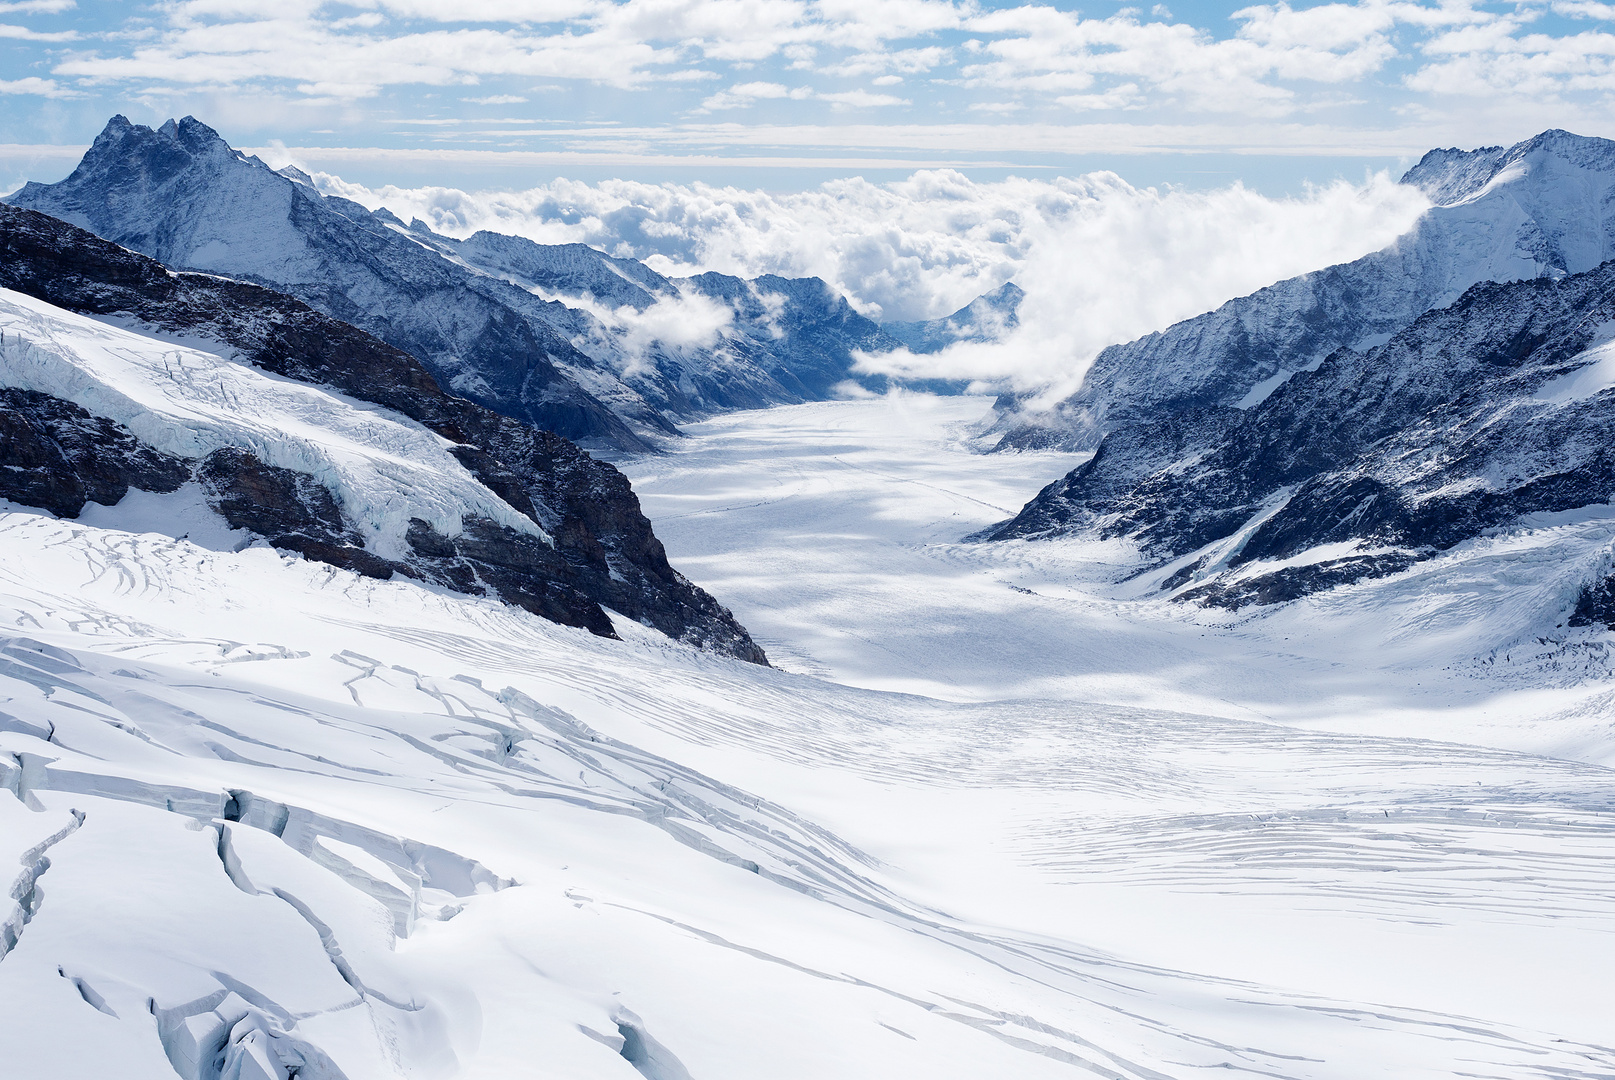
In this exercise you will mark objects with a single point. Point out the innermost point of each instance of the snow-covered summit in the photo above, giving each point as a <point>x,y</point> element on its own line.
<point>1542,208</point>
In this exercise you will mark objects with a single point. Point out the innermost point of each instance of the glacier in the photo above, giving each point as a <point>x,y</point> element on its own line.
<point>269,817</point>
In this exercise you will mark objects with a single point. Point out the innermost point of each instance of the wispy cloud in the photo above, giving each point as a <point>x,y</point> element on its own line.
<point>36,87</point>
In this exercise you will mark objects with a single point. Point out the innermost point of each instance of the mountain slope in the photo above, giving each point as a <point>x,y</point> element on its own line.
<point>1480,417</point>
<point>1542,208</point>
<point>480,314</point>
<point>429,486</point>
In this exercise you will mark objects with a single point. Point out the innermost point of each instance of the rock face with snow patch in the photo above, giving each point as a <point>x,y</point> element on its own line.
<point>56,455</point>
<point>1470,420</point>
<point>1542,208</point>
<point>482,314</point>
<point>552,530</point>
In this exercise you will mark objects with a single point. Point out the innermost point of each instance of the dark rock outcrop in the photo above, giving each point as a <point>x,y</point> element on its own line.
<point>605,553</point>
<point>57,456</point>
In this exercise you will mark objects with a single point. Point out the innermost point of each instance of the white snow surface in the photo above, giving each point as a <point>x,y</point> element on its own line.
<point>1596,374</point>
<point>999,816</point>
<point>184,400</point>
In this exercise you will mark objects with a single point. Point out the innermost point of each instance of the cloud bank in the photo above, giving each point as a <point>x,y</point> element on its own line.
<point>1100,260</point>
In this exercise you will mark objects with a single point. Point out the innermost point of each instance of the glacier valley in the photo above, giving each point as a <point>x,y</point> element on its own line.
<point>997,811</point>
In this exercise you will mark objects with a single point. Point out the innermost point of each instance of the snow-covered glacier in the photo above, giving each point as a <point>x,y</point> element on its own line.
<point>272,818</point>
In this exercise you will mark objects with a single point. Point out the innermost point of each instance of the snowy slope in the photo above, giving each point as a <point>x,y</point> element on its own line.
<point>1542,208</point>
<point>267,814</point>
<point>118,376</point>
<point>382,468</point>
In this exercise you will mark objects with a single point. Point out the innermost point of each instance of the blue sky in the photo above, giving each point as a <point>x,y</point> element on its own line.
<point>782,94</point>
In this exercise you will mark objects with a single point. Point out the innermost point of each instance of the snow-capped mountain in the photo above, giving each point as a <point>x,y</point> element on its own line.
<point>235,402</point>
<point>1494,414</point>
<point>1542,208</point>
<point>626,355</point>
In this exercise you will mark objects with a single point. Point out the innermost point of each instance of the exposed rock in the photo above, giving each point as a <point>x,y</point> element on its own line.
<point>56,455</point>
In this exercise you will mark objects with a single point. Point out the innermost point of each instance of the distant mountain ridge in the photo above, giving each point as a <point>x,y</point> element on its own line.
<point>986,318</point>
<point>1542,208</point>
<point>468,310</point>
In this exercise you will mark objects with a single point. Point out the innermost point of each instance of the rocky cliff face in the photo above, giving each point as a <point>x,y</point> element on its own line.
<point>600,553</point>
<point>482,315</point>
<point>1542,208</point>
<point>1472,419</point>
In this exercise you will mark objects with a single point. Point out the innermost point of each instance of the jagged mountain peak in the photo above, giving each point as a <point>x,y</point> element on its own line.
<point>1450,176</point>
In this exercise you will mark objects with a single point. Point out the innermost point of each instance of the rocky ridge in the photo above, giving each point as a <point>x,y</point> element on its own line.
<point>601,552</point>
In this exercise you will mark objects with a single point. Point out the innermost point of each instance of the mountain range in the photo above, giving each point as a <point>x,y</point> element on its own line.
<point>554,335</point>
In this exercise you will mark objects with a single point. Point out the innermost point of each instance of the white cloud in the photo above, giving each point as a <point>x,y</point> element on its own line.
<point>903,61</point>
<point>1100,260</point>
<point>1265,61</point>
<point>860,99</point>
<point>36,87</point>
<point>1585,9</point>
<point>1116,262</point>
<point>23,33</point>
